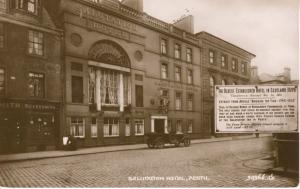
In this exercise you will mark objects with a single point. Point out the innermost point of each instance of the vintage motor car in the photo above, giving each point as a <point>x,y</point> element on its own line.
<point>158,140</point>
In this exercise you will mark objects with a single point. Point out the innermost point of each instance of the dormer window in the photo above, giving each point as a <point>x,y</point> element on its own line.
<point>30,6</point>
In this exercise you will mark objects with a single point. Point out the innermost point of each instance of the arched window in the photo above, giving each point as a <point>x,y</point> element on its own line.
<point>224,82</point>
<point>212,86</point>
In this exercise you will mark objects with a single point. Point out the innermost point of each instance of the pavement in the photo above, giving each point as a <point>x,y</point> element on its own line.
<point>104,149</point>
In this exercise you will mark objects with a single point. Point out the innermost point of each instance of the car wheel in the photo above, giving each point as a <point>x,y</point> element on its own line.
<point>159,145</point>
<point>187,142</point>
<point>150,145</point>
<point>177,143</point>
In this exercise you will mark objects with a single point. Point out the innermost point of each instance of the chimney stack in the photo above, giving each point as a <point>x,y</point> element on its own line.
<point>186,23</point>
<point>287,74</point>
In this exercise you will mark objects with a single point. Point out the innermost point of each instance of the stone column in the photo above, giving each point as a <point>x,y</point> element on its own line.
<point>152,125</point>
<point>166,125</point>
<point>98,92</point>
<point>121,93</point>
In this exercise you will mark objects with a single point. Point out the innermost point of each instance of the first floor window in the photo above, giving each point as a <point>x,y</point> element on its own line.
<point>139,126</point>
<point>234,65</point>
<point>163,46</point>
<point>36,85</point>
<point>212,86</point>
<point>223,61</point>
<point>35,43</point>
<point>164,97</point>
<point>2,82</point>
<point>127,127</point>
<point>177,51</point>
<point>169,126</point>
<point>190,126</point>
<point>189,55</point>
<point>190,76</point>
<point>244,68</point>
<point>178,100</point>
<point>1,34</point>
<point>178,126</point>
<point>164,71</point>
<point>30,6</point>
<point>139,96</point>
<point>211,57</point>
<point>177,73</point>
<point>77,127</point>
<point>111,127</point>
<point>94,128</point>
<point>77,89</point>
<point>190,101</point>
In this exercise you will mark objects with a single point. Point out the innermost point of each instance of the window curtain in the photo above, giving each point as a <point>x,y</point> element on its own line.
<point>92,84</point>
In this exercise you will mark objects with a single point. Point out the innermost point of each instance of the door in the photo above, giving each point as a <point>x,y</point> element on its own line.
<point>159,126</point>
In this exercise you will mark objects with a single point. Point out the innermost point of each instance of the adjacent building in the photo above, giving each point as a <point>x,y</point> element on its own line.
<point>222,63</point>
<point>30,77</point>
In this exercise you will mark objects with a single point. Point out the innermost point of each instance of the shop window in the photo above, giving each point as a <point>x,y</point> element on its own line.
<point>212,57</point>
<point>190,126</point>
<point>190,76</point>
<point>36,85</point>
<point>164,71</point>
<point>2,37</point>
<point>2,4</point>
<point>77,89</point>
<point>30,6</point>
<point>127,127</point>
<point>111,127</point>
<point>2,82</point>
<point>189,55</point>
<point>190,101</point>
<point>178,126</point>
<point>163,46</point>
<point>77,127</point>
<point>224,61</point>
<point>35,43</point>
<point>212,86</point>
<point>94,128</point>
<point>139,96</point>
<point>177,51</point>
<point>177,74</point>
<point>178,100</point>
<point>139,126</point>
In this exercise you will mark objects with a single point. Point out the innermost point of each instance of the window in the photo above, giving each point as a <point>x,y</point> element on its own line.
<point>177,74</point>
<point>190,126</point>
<point>224,82</point>
<point>163,46</point>
<point>244,68</point>
<point>2,4</point>
<point>77,127</point>
<point>77,89</point>
<point>139,126</point>
<point>164,94</point>
<point>190,101</point>
<point>177,51</point>
<point>36,85</point>
<point>30,6</point>
<point>164,71</point>
<point>189,55</point>
<point>1,35</point>
<point>178,126</point>
<point>211,57</point>
<point>94,128</point>
<point>169,125</point>
<point>212,86</point>
<point>224,61</point>
<point>127,127</point>
<point>35,43</point>
<point>234,83</point>
<point>139,96</point>
<point>111,127</point>
<point>234,65</point>
<point>190,76</point>
<point>2,82</point>
<point>178,101</point>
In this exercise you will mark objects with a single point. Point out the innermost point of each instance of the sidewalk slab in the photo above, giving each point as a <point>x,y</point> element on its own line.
<point>103,149</point>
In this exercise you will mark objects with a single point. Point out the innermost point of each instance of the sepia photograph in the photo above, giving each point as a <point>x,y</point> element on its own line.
<point>149,93</point>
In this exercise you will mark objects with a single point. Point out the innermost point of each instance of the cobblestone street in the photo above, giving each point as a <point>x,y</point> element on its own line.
<point>227,163</point>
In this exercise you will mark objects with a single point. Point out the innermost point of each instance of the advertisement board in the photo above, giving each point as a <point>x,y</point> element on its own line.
<point>256,108</point>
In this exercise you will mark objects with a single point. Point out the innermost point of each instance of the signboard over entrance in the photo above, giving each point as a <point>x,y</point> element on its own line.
<point>258,108</point>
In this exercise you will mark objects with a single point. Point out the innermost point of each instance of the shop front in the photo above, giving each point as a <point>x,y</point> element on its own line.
<point>27,126</point>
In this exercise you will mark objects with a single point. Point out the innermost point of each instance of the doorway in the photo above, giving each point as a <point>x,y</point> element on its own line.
<point>159,126</point>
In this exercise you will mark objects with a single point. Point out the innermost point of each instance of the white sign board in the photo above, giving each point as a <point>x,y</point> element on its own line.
<point>260,108</point>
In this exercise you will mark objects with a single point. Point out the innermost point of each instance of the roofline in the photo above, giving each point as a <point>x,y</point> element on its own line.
<point>204,32</point>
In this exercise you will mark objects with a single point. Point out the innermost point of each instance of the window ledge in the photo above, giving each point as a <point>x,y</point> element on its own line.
<point>139,134</point>
<point>115,136</point>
